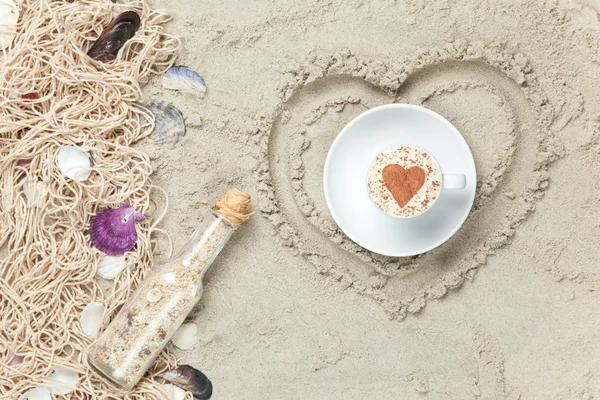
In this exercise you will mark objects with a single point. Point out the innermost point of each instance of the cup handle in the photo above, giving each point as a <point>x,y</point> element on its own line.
<point>454,181</point>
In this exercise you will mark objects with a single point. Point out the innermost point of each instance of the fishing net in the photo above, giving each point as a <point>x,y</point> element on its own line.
<point>51,96</point>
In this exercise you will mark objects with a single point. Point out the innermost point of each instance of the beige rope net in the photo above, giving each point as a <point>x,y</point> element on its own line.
<point>47,264</point>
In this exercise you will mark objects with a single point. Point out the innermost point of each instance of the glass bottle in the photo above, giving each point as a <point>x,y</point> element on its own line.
<point>158,307</point>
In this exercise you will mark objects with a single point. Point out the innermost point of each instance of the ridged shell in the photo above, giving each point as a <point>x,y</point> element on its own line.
<point>190,379</point>
<point>9,17</point>
<point>91,318</point>
<point>173,392</point>
<point>36,393</point>
<point>114,36</point>
<point>113,232</point>
<point>64,381</point>
<point>109,267</point>
<point>169,126</point>
<point>186,336</point>
<point>185,79</point>
<point>75,162</point>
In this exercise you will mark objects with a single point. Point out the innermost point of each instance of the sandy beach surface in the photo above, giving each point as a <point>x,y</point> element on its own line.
<point>292,309</point>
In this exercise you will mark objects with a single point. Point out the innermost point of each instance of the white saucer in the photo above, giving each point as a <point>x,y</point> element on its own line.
<point>350,157</point>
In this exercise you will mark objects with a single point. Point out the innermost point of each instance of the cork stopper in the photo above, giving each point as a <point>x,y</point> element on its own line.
<point>233,206</point>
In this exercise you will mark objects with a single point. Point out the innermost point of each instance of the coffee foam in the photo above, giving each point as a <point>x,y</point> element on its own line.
<point>407,157</point>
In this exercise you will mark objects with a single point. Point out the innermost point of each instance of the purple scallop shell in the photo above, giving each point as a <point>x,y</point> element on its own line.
<point>113,230</point>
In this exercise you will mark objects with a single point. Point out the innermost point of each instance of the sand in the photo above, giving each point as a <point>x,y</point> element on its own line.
<point>292,308</point>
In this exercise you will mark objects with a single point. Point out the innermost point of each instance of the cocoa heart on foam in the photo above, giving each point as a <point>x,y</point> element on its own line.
<point>403,183</point>
<point>474,87</point>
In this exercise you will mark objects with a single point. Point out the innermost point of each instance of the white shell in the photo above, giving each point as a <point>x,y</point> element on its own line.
<point>186,336</point>
<point>9,16</point>
<point>64,381</point>
<point>91,318</point>
<point>36,393</point>
<point>174,392</point>
<point>74,162</point>
<point>154,295</point>
<point>36,192</point>
<point>109,267</point>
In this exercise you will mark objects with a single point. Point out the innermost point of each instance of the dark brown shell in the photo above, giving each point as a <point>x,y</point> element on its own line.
<point>114,36</point>
<point>190,379</point>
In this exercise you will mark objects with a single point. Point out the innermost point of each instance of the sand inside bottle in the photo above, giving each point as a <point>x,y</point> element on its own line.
<point>159,306</point>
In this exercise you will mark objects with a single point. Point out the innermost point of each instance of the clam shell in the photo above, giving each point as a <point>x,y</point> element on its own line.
<point>109,267</point>
<point>36,192</point>
<point>91,318</point>
<point>9,17</point>
<point>154,295</point>
<point>36,393</point>
<point>75,162</point>
<point>190,379</point>
<point>64,381</point>
<point>169,126</point>
<point>114,36</point>
<point>173,392</point>
<point>186,336</point>
<point>113,232</point>
<point>185,79</point>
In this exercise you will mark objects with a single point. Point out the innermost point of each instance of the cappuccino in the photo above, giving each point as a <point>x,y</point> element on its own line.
<point>404,181</point>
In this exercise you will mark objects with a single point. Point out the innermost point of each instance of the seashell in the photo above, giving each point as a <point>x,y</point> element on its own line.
<point>36,393</point>
<point>169,126</point>
<point>91,318</point>
<point>36,192</point>
<point>154,295</point>
<point>190,379</point>
<point>185,79</point>
<point>64,381</point>
<point>114,36</point>
<point>173,392</point>
<point>75,162</point>
<point>186,336</point>
<point>9,16</point>
<point>109,267</point>
<point>113,232</point>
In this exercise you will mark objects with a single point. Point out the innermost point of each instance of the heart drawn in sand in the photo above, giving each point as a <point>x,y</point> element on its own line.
<point>403,183</point>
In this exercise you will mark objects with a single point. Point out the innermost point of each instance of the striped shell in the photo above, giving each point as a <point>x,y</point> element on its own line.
<point>109,267</point>
<point>186,336</point>
<point>184,79</point>
<point>113,232</point>
<point>9,16</point>
<point>169,126</point>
